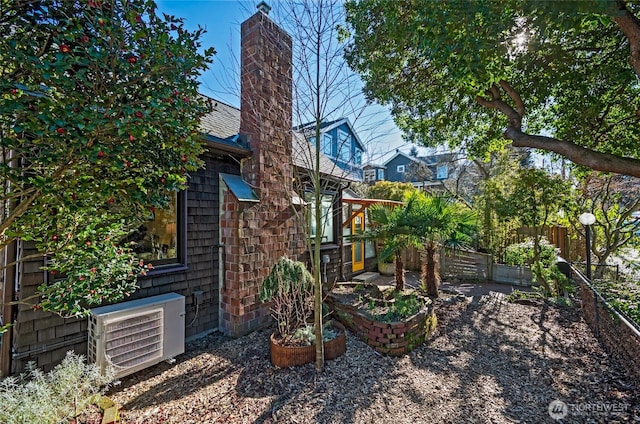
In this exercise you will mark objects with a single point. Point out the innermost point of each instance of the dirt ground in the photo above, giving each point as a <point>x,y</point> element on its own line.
<point>488,362</point>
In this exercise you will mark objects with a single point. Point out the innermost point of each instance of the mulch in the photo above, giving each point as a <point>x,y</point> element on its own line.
<point>488,362</point>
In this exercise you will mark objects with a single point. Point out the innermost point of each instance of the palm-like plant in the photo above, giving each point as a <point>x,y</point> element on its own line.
<point>391,228</point>
<point>439,221</point>
<point>423,221</point>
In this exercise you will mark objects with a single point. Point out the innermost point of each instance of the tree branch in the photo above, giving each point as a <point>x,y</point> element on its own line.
<point>577,154</point>
<point>630,26</point>
<point>514,96</point>
<point>496,102</point>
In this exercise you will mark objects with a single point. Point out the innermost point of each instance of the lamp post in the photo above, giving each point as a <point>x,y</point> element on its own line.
<point>588,219</point>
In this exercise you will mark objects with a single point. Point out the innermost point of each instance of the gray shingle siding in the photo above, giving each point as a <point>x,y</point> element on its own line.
<point>45,338</point>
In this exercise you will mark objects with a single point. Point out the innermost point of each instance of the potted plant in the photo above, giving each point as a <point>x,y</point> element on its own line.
<point>289,288</point>
<point>386,264</point>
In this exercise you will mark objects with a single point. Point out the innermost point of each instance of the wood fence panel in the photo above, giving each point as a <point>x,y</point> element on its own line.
<point>465,265</point>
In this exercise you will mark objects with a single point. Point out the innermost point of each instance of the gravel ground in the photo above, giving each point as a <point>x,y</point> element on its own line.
<point>488,362</point>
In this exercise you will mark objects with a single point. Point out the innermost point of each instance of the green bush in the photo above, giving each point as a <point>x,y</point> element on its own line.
<point>522,253</point>
<point>402,307</point>
<point>53,397</point>
<point>622,295</point>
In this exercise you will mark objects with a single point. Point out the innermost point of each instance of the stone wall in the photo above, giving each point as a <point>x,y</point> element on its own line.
<point>617,338</point>
<point>44,338</point>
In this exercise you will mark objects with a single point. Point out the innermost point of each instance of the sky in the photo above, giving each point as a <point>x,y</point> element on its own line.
<point>222,19</point>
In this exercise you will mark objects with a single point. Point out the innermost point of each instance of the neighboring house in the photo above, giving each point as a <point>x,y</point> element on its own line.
<point>424,172</point>
<point>218,239</point>
<point>338,141</point>
<point>372,173</point>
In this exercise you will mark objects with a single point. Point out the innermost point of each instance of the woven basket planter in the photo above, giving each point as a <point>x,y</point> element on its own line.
<point>291,356</point>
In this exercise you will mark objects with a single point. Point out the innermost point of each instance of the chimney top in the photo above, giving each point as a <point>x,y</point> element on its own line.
<point>263,7</point>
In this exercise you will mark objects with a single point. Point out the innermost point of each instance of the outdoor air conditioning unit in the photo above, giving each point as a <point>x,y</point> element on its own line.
<point>134,335</point>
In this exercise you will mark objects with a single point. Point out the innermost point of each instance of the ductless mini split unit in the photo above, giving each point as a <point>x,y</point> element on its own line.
<point>131,336</point>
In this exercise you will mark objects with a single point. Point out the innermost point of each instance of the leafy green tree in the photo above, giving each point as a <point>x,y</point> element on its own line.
<point>496,180</point>
<point>556,76</point>
<point>99,117</point>
<point>535,200</point>
<point>390,190</point>
<point>423,221</point>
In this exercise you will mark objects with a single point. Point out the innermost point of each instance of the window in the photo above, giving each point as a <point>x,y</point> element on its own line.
<point>326,212</point>
<point>327,145</point>
<point>346,214</point>
<point>344,146</point>
<point>400,169</point>
<point>159,240</point>
<point>358,157</point>
<point>442,172</point>
<point>380,174</point>
<point>369,175</point>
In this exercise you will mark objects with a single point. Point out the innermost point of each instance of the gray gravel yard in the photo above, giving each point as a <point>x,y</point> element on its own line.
<point>488,362</point>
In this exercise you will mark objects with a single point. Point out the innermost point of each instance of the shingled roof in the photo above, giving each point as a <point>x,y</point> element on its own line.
<point>221,126</point>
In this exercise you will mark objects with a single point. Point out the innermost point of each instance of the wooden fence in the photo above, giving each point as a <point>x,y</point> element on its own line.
<point>475,266</point>
<point>465,265</point>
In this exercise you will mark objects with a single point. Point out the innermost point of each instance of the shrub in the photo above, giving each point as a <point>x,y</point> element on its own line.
<point>402,307</point>
<point>53,397</point>
<point>522,253</point>
<point>622,295</point>
<point>289,288</point>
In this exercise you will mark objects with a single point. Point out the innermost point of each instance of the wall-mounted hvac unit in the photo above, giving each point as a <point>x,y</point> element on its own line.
<point>134,335</point>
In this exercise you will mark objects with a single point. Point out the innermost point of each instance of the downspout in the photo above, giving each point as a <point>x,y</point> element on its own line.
<point>8,293</point>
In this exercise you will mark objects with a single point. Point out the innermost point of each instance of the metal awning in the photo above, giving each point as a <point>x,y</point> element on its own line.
<point>240,188</point>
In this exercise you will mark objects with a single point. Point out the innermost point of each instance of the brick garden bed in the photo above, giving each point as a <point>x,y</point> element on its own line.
<point>389,338</point>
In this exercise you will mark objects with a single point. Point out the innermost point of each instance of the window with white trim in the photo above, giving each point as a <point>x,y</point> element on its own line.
<point>327,144</point>
<point>400,169</point>
<point>344,146</point>
<point>326,211</point>
<point>380,174</point>
<point>442,172</point>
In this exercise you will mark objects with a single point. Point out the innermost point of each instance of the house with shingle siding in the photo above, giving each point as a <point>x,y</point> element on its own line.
<point>220,237</point>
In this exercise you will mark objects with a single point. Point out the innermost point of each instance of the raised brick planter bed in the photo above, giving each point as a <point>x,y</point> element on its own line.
<point>394,338</point>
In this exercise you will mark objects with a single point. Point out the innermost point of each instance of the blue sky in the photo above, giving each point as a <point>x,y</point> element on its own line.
<point>222,19</point>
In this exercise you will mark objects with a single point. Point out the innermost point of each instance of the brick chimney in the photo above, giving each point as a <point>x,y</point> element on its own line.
<point>255,236</point>
<point>266,100</point>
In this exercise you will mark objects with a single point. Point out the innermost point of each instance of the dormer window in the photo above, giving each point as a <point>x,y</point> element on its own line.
<point>344,146</point>
<point>442,172</point>
<point>327,145</point>
<point>358,157</point>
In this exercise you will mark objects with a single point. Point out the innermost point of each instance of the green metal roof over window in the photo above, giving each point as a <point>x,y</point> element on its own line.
<point>239,188</point>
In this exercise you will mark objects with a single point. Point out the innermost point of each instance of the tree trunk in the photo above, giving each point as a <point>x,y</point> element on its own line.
<point>430,274</point>
<point>399,272</point>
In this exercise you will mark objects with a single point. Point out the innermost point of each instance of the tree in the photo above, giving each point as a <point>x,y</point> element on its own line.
<point>392,227</point>
<point>497,177</point>
<point>99,118</point>
<point>535,200</point>
<point>390,190</point>
<point>556,76</point>
<point>323,90</point>
<point>612,199</point>
<point>439,221</point>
